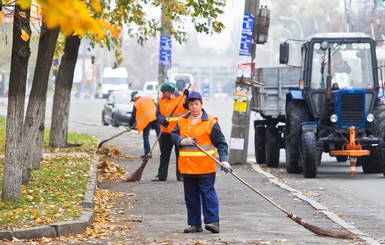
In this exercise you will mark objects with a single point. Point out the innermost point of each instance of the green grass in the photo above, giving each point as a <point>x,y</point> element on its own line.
<point>55,191</point>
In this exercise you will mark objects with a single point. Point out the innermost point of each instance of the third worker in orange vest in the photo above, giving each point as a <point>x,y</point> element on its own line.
<point>170,109</point>
<point>144,115</point>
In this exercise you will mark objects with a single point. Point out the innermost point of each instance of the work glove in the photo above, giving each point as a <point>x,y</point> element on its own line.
<point>188,141</point>
<point>164,123</point>
<point>185,104</point>
<point>186,92</point>
<point>226,167</point>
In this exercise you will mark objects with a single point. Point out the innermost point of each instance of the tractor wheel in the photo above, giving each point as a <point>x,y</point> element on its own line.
<point>259,143</point>
<point>308,154</point>
<point>296,113</point>
<point>374,163</point>
<point>272,147</point>
<point>341,158</point>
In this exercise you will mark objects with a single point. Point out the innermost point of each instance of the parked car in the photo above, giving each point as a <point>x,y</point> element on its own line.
<point>118,108</point>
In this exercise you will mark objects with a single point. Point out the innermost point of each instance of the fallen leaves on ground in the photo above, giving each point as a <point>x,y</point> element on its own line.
<point>109,170</point>
<point>111,152</point>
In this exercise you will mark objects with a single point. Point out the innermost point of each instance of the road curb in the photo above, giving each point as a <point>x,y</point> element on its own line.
<point>63,228</point>
<point>316,205</point>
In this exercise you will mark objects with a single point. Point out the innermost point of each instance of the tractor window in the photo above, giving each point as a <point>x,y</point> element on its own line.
<point>351,66</point>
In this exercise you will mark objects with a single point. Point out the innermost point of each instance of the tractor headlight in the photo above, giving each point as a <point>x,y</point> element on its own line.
<point>333,118</point>
<point>370,117</point>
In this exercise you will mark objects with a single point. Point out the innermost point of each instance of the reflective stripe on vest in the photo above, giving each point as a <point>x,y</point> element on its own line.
<point>195,153</point>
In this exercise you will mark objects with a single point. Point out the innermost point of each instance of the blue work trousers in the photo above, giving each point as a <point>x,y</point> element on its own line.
<point>146,132</point>
<point>200,195</point>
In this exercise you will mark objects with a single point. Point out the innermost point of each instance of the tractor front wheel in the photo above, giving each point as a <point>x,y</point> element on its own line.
<point>309,154</point>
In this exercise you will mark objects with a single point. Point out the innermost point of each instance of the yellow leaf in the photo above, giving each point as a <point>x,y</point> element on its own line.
<point>24,35</point>
<point>95,4</point>
<point>2,16</point>
<point>114,31</point>
<point>24,4</point>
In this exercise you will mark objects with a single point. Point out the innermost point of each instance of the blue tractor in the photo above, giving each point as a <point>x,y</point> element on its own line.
<point>337,107</point>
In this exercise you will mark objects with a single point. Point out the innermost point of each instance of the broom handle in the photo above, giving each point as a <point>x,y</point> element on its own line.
<point>244,182</point>
<point>172,113</point>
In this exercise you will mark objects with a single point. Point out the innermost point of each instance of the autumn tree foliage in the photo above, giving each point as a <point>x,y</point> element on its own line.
<point>77,19</point>
<point>24,134</point>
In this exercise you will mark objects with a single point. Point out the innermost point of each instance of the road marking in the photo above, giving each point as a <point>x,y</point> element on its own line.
<point>319,207</point>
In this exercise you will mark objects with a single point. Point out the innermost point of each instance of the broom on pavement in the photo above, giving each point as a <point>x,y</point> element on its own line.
<point>104,141</point>
<point>313,228</point>
<point>137,175</point>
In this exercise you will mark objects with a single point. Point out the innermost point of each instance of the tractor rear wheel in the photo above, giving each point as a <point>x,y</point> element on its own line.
<point>296,113</point>
<point>309,154</point>
<point>259,143</point>
<point>272,147</point>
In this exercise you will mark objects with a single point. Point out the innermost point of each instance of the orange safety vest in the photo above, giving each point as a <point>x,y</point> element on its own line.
<point>145,112</point>
<point>191,160</point>
<point>166,107</point>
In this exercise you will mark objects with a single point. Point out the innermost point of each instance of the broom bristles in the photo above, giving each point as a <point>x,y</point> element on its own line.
<point>137,175</point>
<point>321,231</point>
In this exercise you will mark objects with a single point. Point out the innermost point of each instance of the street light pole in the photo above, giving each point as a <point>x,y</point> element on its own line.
<point>241,116</point>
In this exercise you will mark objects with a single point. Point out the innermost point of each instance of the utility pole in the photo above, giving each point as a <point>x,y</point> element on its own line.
<point>241,113</point>
<point>165,47</point>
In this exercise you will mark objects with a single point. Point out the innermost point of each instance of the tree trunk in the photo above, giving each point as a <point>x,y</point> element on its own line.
<point>62,97</point>
<point>33,133</point>
<point>15,115</point>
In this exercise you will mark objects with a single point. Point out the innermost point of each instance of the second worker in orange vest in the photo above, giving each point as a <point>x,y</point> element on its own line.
<point>144,115</point>
<point>170,109</point>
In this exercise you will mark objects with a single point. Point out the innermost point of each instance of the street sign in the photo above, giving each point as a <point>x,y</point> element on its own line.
<point>165,55</point>
<point>247,35</point>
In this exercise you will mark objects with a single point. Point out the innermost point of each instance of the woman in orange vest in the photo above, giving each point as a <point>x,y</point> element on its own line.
<point>197,168</point>
<point>144,115</point>
<point>170,102</point>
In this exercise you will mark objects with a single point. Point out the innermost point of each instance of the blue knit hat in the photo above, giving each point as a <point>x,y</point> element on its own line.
<point>194,95</point>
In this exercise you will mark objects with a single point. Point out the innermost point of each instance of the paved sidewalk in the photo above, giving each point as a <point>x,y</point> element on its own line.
<point>157,212</point>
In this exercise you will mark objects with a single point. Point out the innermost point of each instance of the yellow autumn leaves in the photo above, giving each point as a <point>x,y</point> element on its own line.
<point>72,16</point>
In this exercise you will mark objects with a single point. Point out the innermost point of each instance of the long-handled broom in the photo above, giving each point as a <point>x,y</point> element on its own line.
<point>316,229</point>
<point>137,175</point>
<point>104,141</point>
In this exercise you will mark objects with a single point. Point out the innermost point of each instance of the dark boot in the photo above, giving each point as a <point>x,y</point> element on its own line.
<point>193,229</point>
<point>213,227</point>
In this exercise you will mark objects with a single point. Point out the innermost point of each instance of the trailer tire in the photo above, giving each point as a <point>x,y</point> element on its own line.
<point>375,162</point>
<point>296,113</point>
<point>272,147</point>
<point>259,143</point>
<point>309,156</point>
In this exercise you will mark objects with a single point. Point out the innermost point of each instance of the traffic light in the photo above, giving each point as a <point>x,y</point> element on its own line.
<point>383,3</point>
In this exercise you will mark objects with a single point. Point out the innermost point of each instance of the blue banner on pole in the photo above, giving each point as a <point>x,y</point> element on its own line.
<point>247,35</point>
<point>165,55</point>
